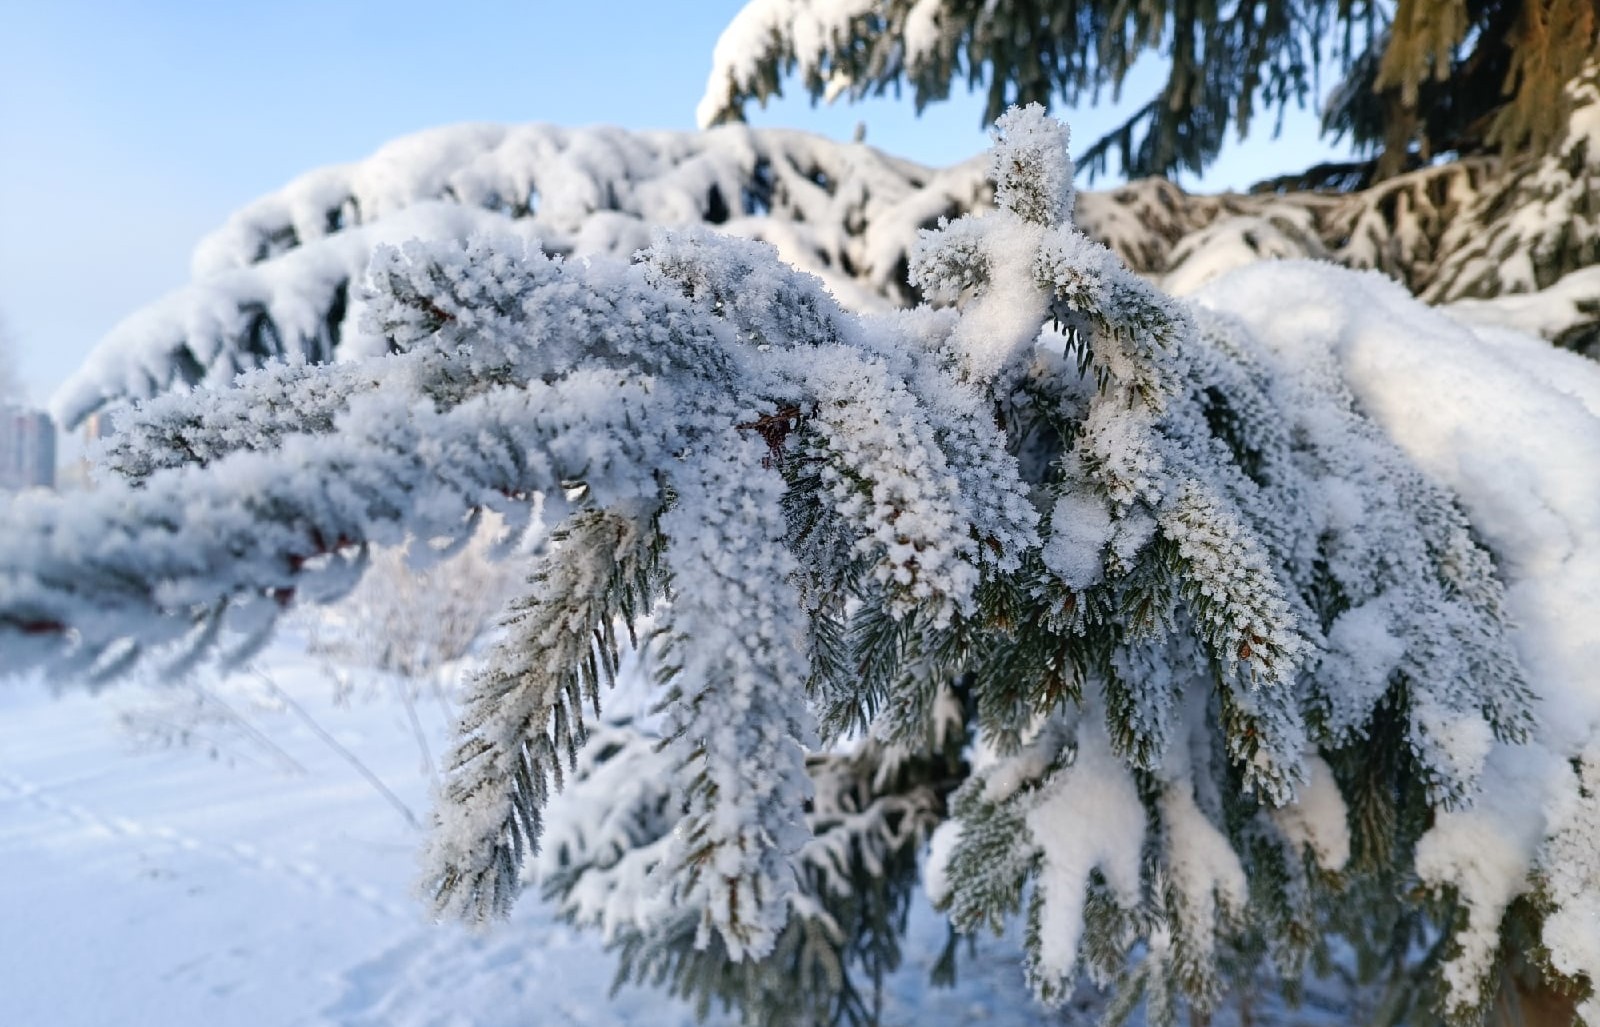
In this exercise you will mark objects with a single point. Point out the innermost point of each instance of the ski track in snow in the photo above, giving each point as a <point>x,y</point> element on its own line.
<point>244,856</point>
<point>164,889</point>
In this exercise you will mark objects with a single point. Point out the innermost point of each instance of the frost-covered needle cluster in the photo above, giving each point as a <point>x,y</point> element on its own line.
<point>1126,603</point>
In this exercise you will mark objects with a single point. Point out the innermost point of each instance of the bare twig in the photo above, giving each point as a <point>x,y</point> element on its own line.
<point>333,743</point>
<point>250,731</point>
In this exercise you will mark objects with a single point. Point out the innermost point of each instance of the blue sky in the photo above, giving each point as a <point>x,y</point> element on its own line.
<point>127,131</point>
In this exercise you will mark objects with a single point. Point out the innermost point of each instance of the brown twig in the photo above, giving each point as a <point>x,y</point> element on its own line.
<point>774,429</point>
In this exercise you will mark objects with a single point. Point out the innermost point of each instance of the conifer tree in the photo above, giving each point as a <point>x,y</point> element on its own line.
<point>1418,78</point>
<point>1092,606</point>
<point>281,280</point>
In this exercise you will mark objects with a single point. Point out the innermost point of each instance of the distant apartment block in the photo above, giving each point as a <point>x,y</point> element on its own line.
<point>98,426</point>
<point>27,449</point>
<point>79,472</point>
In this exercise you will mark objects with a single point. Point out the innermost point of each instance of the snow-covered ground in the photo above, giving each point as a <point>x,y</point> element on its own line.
<point>212,884</point>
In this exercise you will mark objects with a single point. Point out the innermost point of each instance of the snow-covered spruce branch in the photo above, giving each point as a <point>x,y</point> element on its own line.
<point>281,279</point>
<point>1154,564</point>
<point>870,812</point>
<point>458,320</point>
<point>1522,475</point>
<point>128,567</point>
<point>524,714</point>
<point>1531,226</point>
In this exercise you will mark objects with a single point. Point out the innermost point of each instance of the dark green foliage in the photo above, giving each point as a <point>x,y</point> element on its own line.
<point>872,812</point>
<point>1414,79</point>
<point>611,575</point>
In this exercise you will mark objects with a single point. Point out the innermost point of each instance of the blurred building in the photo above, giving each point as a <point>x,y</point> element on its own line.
<point>78,470</point>
<point>27,449</point>
<point>97,426</point>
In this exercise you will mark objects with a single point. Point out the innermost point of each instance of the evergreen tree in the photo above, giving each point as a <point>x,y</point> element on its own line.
<point>1135,611</point>
<point>281,279</point>
<point>1419,77</point>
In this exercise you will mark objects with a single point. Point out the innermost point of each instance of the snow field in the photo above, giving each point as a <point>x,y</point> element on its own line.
<point>173,889</point>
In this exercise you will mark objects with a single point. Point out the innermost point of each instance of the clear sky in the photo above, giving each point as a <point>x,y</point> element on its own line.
<point>129,130</point>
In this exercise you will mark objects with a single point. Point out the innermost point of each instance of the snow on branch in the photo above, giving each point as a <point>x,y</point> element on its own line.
<point>281,279</point>
<point>302,307</point>
<point>1537,222</point>
<point>1146,596</point>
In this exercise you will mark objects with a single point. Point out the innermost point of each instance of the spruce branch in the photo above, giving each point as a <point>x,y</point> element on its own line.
<point>522,721</point>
